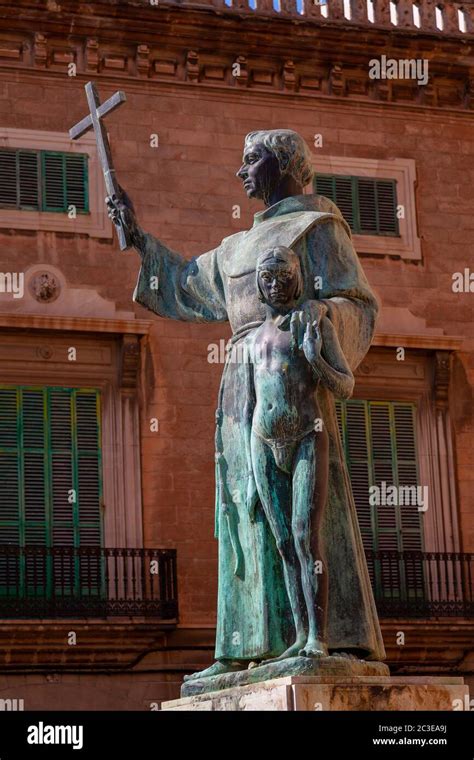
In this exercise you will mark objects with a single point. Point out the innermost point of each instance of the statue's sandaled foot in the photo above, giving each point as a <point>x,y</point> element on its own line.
<point>254,664</point>
<point>217,669</point>
<point>292,651</point>
<point>314,648</point>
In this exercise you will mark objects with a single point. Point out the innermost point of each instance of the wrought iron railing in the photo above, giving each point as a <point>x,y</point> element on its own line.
<point>422,584</point>
<point>96,582</point>
<point>36,581</point>
<point>424,16</point>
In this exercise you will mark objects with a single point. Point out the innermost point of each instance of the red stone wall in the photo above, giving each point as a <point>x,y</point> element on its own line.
<point>184,192</point>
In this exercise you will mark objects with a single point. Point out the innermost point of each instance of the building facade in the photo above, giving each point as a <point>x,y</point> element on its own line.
<point>107,558</point>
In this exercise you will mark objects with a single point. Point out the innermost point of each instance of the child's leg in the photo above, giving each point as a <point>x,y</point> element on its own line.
<point>274,490</point>
<point>310,483</point>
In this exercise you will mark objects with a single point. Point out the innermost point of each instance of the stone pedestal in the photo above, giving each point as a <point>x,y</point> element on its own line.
<point>324,693</point>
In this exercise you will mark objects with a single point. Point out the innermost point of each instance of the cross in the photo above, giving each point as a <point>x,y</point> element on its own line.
<point>94,121</point>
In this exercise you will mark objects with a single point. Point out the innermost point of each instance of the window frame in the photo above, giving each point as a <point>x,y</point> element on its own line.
<point>96,222</point>
<point>403,171</point>
<point>355,202</point>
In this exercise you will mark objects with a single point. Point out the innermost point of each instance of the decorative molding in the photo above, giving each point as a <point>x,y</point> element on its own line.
<point>40,50</point>
<point>129,361</point>
<point>426,342</point>
<point>442,376</point>
<point>75,324</point>
<point>192,66</point>
<point>301,69</point>
<point>69,301</point>
<point>403,171</point>
<point>143,60</point>
<point>96,223</point>
<point>92,55</point>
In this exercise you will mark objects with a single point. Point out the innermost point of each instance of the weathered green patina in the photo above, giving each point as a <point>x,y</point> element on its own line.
<point>255,620</point>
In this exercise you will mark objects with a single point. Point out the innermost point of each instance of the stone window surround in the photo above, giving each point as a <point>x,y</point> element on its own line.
<point>403,170</point>
<point>423,379</point>
<point>95,223</point>
<point>33,353</point>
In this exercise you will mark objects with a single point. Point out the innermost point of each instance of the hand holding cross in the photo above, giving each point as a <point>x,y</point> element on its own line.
<point>94,121</point>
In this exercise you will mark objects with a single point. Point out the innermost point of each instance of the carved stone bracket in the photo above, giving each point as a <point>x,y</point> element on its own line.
<point>336,78</point>
<point>192,66</point>
<point>442,375</point>
<point>129,361</point>
<point>301,69</point>
<point>143,60</point>
<point>241,74</point>
<point>289,78</point>
<point>40,50</point>
<point>92,54</point>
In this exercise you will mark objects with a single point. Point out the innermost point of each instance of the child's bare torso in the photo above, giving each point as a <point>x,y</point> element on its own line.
<point>285,385</point>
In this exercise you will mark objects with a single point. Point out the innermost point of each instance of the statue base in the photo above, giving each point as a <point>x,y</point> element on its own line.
<point>334,665</point>
<point>323,693</point>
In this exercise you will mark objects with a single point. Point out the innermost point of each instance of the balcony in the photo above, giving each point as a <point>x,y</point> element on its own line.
<point>420,16</point>
<point>88,582</point>
<point>100,583</point>
<point>422,584</point>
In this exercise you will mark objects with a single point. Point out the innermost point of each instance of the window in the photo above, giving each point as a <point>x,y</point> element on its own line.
<point>43,180</point>
<point>369,205</point>
<point>379,443</point>
<point>390,209</point>
<point>50,471</point>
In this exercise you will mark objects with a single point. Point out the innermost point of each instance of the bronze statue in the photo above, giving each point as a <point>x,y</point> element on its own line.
<point>283,496</point>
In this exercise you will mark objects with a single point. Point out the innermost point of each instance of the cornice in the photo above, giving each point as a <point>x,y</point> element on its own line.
<point>185,46</point>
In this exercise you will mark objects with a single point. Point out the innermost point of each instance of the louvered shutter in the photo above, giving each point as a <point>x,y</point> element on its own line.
<point>10,474</point>
<point>89,486</point>
<point>76,181</point>
<point>352,420</point>
<point>28,172</point>
<point>19,178</point>
<point>64,181</point>
<point>380,447</point>
<point>377,207</point>
<point>339,190</point>
<point>50,463</point>
<point>369,205</point>
<point>43,180</point>
<point>387,207</point>
<point>54,181</point>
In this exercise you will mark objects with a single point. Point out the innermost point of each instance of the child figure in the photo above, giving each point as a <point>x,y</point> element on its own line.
<point>287,445</point>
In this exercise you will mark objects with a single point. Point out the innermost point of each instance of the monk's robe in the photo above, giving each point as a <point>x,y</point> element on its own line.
<point>253,616</point>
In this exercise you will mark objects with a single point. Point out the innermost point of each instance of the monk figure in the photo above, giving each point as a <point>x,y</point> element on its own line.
<point>255,619</point>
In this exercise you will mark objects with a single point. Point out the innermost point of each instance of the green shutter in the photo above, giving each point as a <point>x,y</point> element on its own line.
<point>19,185</point>
<point>43,180</point>
<point>54,181</point>
<point>368,205</point>
<point>50,465</point>
<point>379,443</point>
<point>76,181</point>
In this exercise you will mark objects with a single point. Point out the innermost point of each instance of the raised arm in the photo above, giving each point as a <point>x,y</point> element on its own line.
<point>169,284</point>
